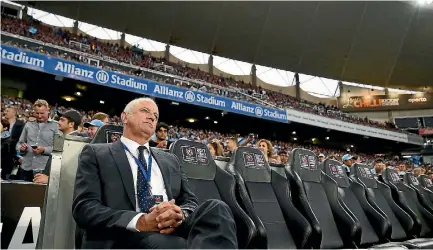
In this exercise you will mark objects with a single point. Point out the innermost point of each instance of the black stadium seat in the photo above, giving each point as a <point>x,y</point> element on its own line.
<point>379,194</point>
<point>265,193</point>
<point>359,207</point>
<point>310,197</point>
<point>427,184</point>
<point>108,134</point>
<point>375,193</point>
<point>407,198</point>
<point>208,181</point>
<point>423,195</point>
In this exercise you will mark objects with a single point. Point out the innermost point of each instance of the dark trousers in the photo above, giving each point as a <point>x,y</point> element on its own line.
<point>25,175</point>
<point>211,226</point>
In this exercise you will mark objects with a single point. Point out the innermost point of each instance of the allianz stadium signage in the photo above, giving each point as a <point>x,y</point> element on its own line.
<point>57,66</point>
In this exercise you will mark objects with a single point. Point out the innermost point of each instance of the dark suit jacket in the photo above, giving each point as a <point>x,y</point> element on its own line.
<point>104,197</point>
<point>17,129</point>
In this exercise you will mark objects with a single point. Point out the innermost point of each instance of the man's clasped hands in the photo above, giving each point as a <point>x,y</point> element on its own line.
<point>164,218</point>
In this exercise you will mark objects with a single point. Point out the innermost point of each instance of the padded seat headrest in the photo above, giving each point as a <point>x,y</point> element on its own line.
<point>250,163</point>
<point>334,169</point>
<point>363,173</point>
<point>195,159</point>
<point>108,134</point>
<point>410,179</point>
<point>304,163</point>
<point>426,182</point>
<point>391,177</point>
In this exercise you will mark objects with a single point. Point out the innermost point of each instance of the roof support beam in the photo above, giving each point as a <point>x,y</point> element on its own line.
<point>391,72</point>
<point>352,44</point>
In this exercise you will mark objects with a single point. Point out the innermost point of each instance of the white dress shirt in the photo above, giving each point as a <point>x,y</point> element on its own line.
<point>156,180</point>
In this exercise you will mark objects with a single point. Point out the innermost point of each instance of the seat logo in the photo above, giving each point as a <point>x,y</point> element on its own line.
<point>189,96</point>
<point>258,111</point>
<point>102,76</point>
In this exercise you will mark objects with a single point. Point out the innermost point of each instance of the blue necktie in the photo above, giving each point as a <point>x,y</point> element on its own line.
<point>144,196</point>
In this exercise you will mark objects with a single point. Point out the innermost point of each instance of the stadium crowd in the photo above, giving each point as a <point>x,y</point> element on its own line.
<point>60,119</point>
<point>134,61</point>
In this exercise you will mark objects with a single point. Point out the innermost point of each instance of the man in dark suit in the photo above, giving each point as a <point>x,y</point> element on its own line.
<point>16,126</point>
<point>118,207</point>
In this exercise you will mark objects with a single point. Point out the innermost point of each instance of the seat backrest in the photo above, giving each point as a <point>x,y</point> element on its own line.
<point>310,196</point>
<point>407,198</point>
<point>361,174</point>
<point>208,181</point>
<point>58,224</point>
<point>335,170</point>
<point>199,167</point>
<point>108,134</point>
<point>423,194</point>
<point>427,184</point>
<point>254,179</point>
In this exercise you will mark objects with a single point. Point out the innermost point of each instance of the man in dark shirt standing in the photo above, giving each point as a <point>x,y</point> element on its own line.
<point>161,137</point>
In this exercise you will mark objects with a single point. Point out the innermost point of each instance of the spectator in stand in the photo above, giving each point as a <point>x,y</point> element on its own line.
<point>102,117</point>
<point>379,166</point>
<point>232,145</point>
<point>215,148</point>
<point>16,126</point>
<point>36,142</point>
<point>266,147</point>
<point>284,157</point>
<point>321,158</point>
<point>402,169</point>
<point>357,159</point>
<point>417,172</point>
<point>7,150</point>
<point>430,175</point>
<point>347,162</point>
<point>92,127</point>
<point>332,157</point>
<point>69,122</point>
<point>161,136</point>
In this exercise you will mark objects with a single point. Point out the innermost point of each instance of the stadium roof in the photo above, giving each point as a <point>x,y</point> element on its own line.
<point>387,44</point>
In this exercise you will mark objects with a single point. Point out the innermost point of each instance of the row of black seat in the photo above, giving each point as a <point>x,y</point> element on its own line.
<point>307,205</point>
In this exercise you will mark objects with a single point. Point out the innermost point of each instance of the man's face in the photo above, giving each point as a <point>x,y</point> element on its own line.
<point>41,113</point>
<point>92,131</point>
<point>10,113</point>
<point>348,162</point>
<point>201,136</point>
<point>162,133</point>
<point>379,167</point>
<point>64,124</point>
<point>142,119</point>
<point>321,158</point>
<point>284,158</point>
<point>231,146</point>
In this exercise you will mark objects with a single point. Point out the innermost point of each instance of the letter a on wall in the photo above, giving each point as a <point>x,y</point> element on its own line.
<point>30,214</point>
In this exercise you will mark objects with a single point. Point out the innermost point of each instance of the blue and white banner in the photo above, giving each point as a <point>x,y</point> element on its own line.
<point>52,65</point>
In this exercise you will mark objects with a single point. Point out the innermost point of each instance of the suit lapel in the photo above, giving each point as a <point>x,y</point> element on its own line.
<point>122,164</point>
<point>164,171</point>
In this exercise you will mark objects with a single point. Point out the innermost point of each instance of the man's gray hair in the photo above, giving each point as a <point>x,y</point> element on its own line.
<point>130,106</point>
